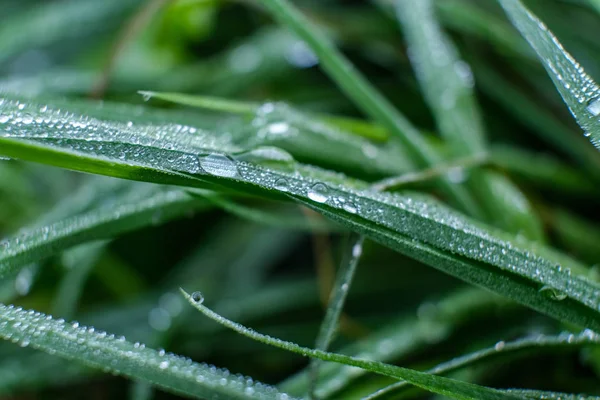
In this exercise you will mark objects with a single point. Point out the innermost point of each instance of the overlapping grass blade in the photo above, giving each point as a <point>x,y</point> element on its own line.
<point>578,89</point>
<point>411,224</point>
<point>133,212</point>
<point>403,336</point>
<point>367,97</point>
<point>337,299</point>
<point>104,351</point>
<point>444,386</point>
<point>541,342</point>
<point>447,83</point>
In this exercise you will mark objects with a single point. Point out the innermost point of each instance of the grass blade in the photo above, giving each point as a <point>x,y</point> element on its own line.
<point>447,83</point>
<point>412,224</point>
<point>404,336</point>
<point>100,350</point>
<point>101,223</point>
<point>578,89</point>
<point>337,299</point>
<point>444,386</point>
<point>543,342</point>
<point>365,96</point>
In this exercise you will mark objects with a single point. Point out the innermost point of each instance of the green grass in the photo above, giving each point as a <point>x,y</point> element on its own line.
<point>442,154</point>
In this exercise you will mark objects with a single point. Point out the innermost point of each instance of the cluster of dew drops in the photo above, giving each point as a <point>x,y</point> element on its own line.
<point>35,329</point>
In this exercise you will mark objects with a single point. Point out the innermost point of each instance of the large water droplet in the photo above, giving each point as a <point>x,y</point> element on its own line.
<point>319,193</point>
<point>301,56</point>
<point>267,155</point>
<point>593,107</point>
<point>219,165</point>
<point>197,297</point>
<point>282,185</point>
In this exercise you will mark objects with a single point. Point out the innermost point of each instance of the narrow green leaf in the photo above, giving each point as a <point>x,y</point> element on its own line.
<point>444,386</point>
<point>436,322</point>
<point>366,96</point>
<point>541,342</point>
<point>447,82</point>
<point>336,302</point>
<point>100,223</point>
<point>578,89</point>
<point>101,350</point>
<point>412,224</point>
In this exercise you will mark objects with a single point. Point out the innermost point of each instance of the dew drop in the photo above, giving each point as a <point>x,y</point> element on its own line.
<point>593,107</point>
<point>163,365</point>
<point>319,193</point>
<point>218,165</point>
<point>197,297</point>
<point>4,118</point>
<point>499,346</point>
<point>457,175</point>
<point>282,185</point>
<point>301,56</point>
<point>350,207</point>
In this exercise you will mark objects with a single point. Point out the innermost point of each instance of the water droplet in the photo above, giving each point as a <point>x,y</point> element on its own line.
<point>268,155</point>
<point>553,293</point>
<point>499,346</point>
<point>350,207</point>
<point>593,107</point>
<point>163,365</point>
<point>197,297</point>
<point>457,175</point>
<point>282,185</point>
<point>357,250</point>
<point>4,118</point>
<point>301,56</point>
<point>146,96</point>
<point>218,165</point>
<point>319,193</point>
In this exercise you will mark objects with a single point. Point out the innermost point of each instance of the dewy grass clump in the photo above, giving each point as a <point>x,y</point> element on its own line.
<point>270,143</point>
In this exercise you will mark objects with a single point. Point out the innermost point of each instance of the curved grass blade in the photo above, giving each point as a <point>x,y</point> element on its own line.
<point>578,89</point>
<point>447,82</point>
<point>100,350</point>
<point>444,386</point>
<point>315,138</point>
<point>412,224</point>
<point>355,126</point>
<point>367,97</point>
<point>545,124</point>
<point>404,336</point>
<point>99,223</point>
<point>541,342</point>
<point>336,302</point>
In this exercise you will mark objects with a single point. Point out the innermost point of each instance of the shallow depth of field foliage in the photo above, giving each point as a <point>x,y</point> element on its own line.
<point>300,199</point>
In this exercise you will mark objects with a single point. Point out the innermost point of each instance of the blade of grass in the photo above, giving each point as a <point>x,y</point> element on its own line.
<point>100,223</point>
<point>444,386</point>
<point>403,336</point>
<point>337,299</point>
<point>541,342</point>
<point>365,96</point>
<point>447,83</point>
<point>100,350</point>
<point>578,89</point>
<point>412,224</point>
